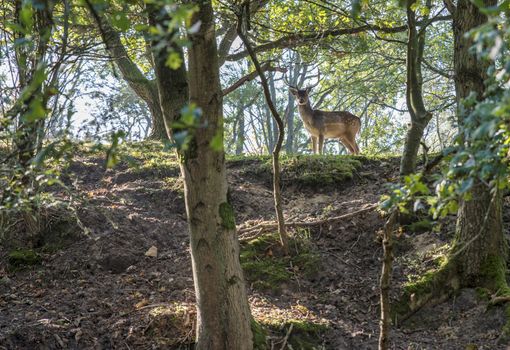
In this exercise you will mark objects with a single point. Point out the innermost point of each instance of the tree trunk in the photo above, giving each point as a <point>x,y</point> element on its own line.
<point>412,145</point>
<point>414,91</point>
<point>158,128</point>
<point>30,62</point>
<point>240,134</point>
<point>480,250</point>
<point>291,106</point>
<point>224,320</point>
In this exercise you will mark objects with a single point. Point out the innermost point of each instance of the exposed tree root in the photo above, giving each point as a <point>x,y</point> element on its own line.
<point>251,230</point>
<point>433,288</point>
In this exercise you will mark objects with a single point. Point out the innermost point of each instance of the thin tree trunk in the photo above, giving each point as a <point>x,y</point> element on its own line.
<point>30,65</point>
<point>240,133</point>
<point>291,109</point>
<point>284,238</point>
<point>223,313</point>
<point>420,117</point>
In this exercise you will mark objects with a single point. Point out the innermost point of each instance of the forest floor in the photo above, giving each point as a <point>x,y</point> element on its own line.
<point>107,289</point>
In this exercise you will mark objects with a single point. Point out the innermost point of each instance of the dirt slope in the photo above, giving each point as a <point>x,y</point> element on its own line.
<point>102,292</point>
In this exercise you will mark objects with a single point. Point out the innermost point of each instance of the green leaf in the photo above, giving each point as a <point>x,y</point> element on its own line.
<point>25,16</point>
<point>173,61</point>
<point>35,112</point>
<point>120,20</point>
<point>217,141</point>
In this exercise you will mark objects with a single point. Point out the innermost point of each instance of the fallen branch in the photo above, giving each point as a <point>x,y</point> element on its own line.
<point>270,225</point>
<point>499,300</point>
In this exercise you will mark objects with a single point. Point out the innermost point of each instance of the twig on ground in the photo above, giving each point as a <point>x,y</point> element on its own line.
<point>499,300</point>
<point>270,225</point>
<point>287,337</point>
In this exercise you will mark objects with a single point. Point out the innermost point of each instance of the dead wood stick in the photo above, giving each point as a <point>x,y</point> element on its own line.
<point>286,339</point>
<point>499,300</point>
<point>385,280</point>
<point>269,225</point>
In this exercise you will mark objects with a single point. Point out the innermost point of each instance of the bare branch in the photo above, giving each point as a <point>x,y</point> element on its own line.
<point>266,67</point>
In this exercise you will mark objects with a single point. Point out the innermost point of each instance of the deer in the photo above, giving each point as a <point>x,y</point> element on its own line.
<point>322,125</point>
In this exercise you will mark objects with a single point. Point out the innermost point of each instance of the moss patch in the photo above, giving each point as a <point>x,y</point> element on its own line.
<point>259,336</point>
<point>494,275</point>
<point>266,268</point>
<point>302,170</point>
<point>149,156</point>
<point>227,216</point>
<point>420,226</point>
<point>308,328</point>
<point>23,257</point>
<point>433,284</point>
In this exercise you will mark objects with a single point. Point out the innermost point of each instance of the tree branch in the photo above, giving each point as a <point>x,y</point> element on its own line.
<point>450,6</point>
<point>300,39</point>
<point>266,67</point>
<point>130,71</point>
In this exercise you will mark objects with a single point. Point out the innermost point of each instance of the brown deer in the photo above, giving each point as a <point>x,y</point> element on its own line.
<point>322,125</point>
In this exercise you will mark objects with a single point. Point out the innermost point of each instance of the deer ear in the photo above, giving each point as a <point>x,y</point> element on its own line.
<point>293,91</point>
<point>308,89</point>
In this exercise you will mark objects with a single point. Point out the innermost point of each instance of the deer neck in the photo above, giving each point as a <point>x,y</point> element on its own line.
<point>306,112</point>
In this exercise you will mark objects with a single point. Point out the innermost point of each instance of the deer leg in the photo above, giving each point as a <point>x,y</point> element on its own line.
<point>356,147</point>
<point>314,144</point>
<point>347,144</point>
<point>321,143</point>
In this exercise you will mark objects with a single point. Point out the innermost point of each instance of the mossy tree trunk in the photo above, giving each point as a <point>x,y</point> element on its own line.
<point>420,117</point>
<point>480,248</point>
<point>223,313</point>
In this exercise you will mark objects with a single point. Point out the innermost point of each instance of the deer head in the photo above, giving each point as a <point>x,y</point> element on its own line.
<point>301,95</point>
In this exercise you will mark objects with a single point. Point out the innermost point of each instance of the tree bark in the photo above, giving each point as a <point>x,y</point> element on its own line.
<point>30,62</point>
<point>143,87</point>
<point>240,134</point>
<point>420,117</point>
<point>224,320</point>
<point>480,249</point>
